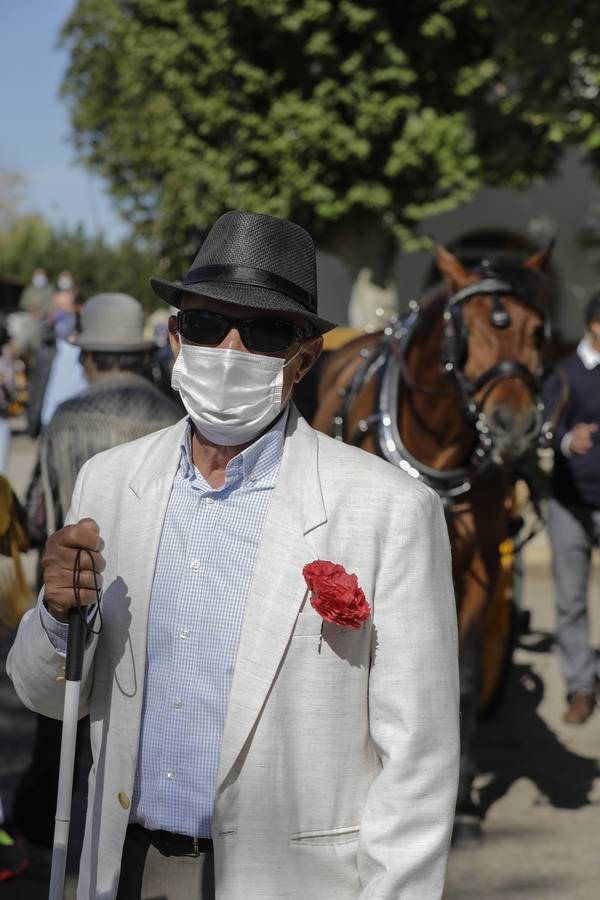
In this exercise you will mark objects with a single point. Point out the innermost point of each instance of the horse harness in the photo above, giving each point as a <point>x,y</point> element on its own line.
<point>386,361</point>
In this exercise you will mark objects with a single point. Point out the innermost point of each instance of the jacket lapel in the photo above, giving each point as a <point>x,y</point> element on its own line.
<point>278,587</point>
<point>140,530</point>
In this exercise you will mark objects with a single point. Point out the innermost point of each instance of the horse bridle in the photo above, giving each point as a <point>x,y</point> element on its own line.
<point>387,360</point>
<point>455,343</point>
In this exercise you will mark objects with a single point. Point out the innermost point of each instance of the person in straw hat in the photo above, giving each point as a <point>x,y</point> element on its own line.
<point>120,404</point>
<point>274,693</point>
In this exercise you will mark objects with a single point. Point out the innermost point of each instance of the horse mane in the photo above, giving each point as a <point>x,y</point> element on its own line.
<point>431,307</point>
<point>532,288</point>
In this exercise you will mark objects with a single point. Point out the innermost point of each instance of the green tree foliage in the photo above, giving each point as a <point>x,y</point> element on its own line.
<point>356,119</point>
<point>27,240</point>
<point>96,265</point>
<point>23,246</point>
<point>550,55</point>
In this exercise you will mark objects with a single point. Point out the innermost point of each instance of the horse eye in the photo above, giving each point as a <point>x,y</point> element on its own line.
<point>537,335</point>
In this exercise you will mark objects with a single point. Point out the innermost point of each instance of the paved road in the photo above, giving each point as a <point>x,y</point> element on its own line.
<point>539,781</point>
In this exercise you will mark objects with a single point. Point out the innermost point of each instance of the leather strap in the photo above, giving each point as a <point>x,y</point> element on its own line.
<point>485,286</point>
<point>170,844</point>
<point>253,278</point>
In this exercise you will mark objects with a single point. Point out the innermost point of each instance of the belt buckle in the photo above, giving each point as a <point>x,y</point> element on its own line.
<point>196,848</point>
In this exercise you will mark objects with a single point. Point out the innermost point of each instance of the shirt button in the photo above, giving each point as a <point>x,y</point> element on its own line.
<point>184,633</point>
<point>210,499</point>
<point>171,775</point>
<point>252,476</point>
<point>178,702</point>
<point>195,564</point>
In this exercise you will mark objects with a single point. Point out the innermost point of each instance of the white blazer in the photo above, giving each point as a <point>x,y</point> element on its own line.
<point>338,768</point>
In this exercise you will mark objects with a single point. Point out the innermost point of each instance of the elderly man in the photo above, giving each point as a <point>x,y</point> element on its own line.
<point>121,402</point>
<point>273,695</point>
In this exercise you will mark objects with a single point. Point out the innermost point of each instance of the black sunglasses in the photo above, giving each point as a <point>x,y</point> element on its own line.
<point>202,326</point>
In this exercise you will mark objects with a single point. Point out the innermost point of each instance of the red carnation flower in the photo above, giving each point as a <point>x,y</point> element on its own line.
<point>336,595</point>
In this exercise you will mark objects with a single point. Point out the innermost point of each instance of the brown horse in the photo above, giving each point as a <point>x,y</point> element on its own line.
<point>453,395</point>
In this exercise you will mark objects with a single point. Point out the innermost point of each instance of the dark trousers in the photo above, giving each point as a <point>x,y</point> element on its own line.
<point>573,532</point>
<point>148,875</point>
<point>34,805</point>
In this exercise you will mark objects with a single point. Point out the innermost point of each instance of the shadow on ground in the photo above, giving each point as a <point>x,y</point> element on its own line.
<point>536,886</point>
<point>515,742</point>
<point>538,642</point>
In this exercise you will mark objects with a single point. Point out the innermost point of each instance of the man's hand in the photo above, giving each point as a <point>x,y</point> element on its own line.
<point>582,437</point>
<point>58,561</point>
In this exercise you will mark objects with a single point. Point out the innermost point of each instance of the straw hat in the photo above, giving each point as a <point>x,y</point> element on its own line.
<point>256,261</point>
<point>112,323</point>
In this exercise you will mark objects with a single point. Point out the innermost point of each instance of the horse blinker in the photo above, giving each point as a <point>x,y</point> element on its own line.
<point>499,317</point>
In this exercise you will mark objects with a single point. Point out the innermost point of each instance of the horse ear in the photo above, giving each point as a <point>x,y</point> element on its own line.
<point>540,260</point>
<point>455,274</point>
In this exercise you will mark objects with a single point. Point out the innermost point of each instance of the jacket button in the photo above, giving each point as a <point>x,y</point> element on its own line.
<point>60,678</point>
<point>124,800</point>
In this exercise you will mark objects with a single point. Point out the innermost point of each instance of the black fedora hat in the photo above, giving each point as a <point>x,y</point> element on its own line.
<point>256,261</point>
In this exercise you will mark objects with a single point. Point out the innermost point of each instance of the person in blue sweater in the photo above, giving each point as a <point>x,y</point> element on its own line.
<point>573,390</point>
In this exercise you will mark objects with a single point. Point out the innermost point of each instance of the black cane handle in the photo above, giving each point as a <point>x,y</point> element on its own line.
<point>80,626</point>
<point>75,645</point>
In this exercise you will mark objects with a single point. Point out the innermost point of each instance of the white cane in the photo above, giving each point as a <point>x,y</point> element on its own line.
<point>78,628</point>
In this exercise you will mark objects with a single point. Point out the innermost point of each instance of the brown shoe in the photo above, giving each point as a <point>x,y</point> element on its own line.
<point>581,706</point>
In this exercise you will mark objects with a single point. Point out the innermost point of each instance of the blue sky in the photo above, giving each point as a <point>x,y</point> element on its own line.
<point>35,123</point>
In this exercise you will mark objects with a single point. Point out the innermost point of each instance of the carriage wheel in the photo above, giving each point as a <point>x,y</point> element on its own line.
<point>498,630</point>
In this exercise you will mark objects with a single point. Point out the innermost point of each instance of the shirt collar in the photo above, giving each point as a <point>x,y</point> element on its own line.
<point>587,354</point>
<point>261,458</point>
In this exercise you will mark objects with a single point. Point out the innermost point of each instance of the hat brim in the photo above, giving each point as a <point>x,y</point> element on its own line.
<point>241,295</point>
<point>113,346</point>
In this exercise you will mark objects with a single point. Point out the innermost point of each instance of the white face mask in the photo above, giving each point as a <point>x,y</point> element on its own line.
<point>65,283</point>
<point>231,396</point>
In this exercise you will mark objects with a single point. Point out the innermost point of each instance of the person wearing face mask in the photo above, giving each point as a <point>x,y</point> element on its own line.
<point>37,296</point>
<point>27,323</point>
<point>64,297</point>
<point>274,692</point>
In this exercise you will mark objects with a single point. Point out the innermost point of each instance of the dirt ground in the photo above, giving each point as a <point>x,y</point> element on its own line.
<point>539,779</point>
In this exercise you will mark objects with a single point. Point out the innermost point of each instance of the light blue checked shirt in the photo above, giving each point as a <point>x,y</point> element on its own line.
<point>204,567</point>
